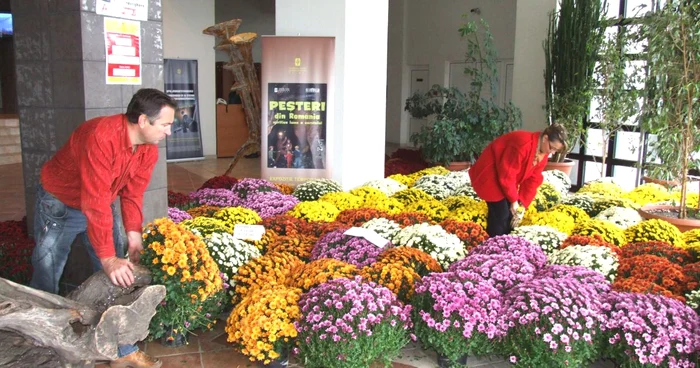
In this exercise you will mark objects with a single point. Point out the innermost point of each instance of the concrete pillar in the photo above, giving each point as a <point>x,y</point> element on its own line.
<point>532,20</point>
<point>360,29</point>
<point>60,63</point>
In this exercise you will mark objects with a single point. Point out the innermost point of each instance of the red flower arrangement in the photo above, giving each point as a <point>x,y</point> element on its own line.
<point>286,225</point>
<point>658,248</point>
<point>179,200</point>
<point>692,274</point>
<point>16,251</point>
<point>595,240</point>
<point>402,166</point>
<point>411,218</point>
<point>357,217</point>
<point>633,285</point>
<point>654,269</point>
<point>219,182</point>
<point>470,233</point>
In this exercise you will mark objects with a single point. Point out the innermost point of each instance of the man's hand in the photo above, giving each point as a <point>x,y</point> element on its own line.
<point>119,271</point>
<point>135,245</point>
<point>514,208</point>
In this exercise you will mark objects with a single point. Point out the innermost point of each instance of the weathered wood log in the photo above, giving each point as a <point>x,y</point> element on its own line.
<point>85,327</point>
<point>239,48</point>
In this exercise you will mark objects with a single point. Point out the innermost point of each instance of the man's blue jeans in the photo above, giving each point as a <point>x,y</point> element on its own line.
<point>55,227</point>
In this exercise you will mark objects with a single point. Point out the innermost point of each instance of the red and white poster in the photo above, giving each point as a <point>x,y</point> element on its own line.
<point>123,44</point>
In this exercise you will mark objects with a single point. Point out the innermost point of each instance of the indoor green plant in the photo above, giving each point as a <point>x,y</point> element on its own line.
<point>570,50</point>
<point>464,123</point>
<point>673,88</point>
<point>616,79</point>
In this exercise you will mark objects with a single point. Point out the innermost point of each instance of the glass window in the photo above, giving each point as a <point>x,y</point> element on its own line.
<point>591,171</point>
<point>613,10</point>
<point>626,176</point>
<point>651,156</point>
<point>594,142</point>
<point>574,172</point>
<point>635,47</point>
<point>594,114</point>
<point>634,119</point>
<point>637,8</point>
<point>627,146</point>
<point>636,68</point>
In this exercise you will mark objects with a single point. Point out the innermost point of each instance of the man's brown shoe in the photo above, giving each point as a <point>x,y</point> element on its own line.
<point>137,359</point>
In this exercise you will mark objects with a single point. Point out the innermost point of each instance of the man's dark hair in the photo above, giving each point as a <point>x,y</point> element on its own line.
<point>557,133</point>
<point>148,101</point>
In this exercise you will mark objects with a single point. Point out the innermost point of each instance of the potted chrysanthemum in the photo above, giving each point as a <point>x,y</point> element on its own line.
<point>350,323</point>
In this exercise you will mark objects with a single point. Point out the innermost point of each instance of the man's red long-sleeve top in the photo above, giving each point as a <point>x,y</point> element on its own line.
<point>505,169</point>
<point>96,164</point>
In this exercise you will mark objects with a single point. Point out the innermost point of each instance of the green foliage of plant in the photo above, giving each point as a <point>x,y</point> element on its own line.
<point>464,124</point>
<point>571,49</point>
<point>672,110</point>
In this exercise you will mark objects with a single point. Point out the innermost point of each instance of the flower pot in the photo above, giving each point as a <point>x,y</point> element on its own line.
<point>173,339</point>
<point>459,165</point>
<point>281,362</point>
<point>655,212</point>
<point>564,167</point>
<point>666,183</point>
<point>444,362</point>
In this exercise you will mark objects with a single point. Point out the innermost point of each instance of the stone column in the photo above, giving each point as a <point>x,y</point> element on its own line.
<point>60,62</point>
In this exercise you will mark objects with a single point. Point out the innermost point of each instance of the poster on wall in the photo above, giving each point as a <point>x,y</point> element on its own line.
<point>123,47</point>
<point>185,142</point>
<point>297,115</point>
<point>129,9</point>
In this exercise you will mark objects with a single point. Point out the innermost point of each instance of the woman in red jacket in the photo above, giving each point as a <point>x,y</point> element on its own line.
<point>509,171</point>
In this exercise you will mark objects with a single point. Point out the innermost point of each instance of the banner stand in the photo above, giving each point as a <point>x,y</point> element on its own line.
<point>185,142</point>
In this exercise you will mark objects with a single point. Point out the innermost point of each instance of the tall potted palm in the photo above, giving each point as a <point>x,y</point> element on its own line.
<point>571,49</point>
<point>464,123</point>
<point>672,111</point>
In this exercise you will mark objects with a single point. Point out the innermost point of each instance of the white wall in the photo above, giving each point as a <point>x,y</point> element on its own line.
<point>258,16</point>
<point>528,75</point>
<point>183,22</point>
<point>360,28</point>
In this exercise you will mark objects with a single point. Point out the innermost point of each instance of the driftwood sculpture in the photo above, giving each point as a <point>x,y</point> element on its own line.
<point>239,48</point>
<point>39,329</point>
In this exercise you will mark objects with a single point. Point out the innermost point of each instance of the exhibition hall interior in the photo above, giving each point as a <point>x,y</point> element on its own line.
<point>328,190</point>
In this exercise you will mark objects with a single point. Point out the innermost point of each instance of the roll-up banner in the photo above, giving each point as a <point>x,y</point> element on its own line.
<point>297,108</point>
<point>185,142</point>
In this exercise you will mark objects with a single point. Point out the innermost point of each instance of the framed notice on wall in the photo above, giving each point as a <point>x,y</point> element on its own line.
<point>123,47</point>
<point>129,9</point>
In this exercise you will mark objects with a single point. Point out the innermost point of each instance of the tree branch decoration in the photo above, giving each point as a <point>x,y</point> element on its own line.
<point>239,48</point>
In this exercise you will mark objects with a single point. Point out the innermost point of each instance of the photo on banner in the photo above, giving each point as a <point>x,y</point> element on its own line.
<point>297,108</point>
<point>296,127</point>
<point>185,142</point>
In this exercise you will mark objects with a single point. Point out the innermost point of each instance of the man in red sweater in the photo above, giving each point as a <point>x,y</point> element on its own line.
<point>104,158</point>
<point>509,171</point>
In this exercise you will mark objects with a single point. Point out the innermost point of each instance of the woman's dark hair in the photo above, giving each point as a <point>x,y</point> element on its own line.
<point>148,101</point>
<point>557,133</point>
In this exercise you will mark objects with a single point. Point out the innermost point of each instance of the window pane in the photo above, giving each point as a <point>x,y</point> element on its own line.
<point>591,171</point>
<point>637,8</point>
<point>574,173</point>
<point>651,156</point>
<point>634,119</point>
<point>634,47</point>
<point>627,146</point>
<point>613,10</point>
<point>626,176</point>
<point>636,68</point>
<point>594,142</point>
<point>594,114</point>
<point>577,147</point>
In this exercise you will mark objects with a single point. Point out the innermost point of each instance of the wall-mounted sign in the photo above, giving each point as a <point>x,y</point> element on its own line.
<point>123,44</point>
<point>129,9</point>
